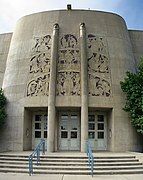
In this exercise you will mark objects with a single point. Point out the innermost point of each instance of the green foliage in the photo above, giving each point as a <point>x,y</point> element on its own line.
<point>2,108</point>
<point>133,87</point>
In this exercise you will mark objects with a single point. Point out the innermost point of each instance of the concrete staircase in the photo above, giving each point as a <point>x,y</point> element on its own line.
<point>72,164</point>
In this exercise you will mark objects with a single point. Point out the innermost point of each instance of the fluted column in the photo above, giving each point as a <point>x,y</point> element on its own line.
<point>52,90</point>
<point>84,88</point>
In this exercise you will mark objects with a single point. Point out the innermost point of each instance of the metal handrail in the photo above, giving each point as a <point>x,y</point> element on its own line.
<point>36,153</point>
<point>90,157</point>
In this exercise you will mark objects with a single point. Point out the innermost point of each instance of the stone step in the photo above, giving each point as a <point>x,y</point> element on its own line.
<point>68,164</point>
<point>40,167</point>
<point>73,172</point>
<point>70,156</point>
<point>71,160</point>
<point>95,157</point>
<point>72,163</point>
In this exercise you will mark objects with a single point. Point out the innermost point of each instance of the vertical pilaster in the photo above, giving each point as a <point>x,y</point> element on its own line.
<point>52,90</point>
<point>84,88</point>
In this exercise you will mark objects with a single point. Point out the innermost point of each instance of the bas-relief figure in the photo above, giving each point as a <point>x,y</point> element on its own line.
<point>39,70</point>
<point>42,44</point>
<point>99,86</point>
<point>68,78</point>
<point>38,86</point>
<point>98,67</point>
<point>40,63</point>
<point>68,41</point>
<point>68,83</point>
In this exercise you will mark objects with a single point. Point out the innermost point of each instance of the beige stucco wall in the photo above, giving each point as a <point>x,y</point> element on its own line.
<point>5,40</point>
<point>107,25</point>
<point>136,37</point>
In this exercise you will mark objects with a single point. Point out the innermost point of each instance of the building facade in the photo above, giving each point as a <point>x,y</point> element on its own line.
<point>61,73</point>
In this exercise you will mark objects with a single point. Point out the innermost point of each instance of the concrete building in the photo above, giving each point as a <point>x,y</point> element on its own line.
<point>61,72</point>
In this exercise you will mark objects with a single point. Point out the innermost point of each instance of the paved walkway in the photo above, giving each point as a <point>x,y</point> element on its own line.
<point>68,177</point>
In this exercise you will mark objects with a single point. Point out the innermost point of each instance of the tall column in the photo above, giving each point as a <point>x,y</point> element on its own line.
<point>84,88</point>
<point>52,90</point>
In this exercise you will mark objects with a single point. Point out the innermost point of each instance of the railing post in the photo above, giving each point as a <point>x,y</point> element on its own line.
<point>90,158</point>
<point>43,147</point>
<point>30,165</point>
<point>37,156</point>
<point>92,165</point>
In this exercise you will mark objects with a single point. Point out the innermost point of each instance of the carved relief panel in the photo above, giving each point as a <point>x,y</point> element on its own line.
<point>98,66</point>
<point>68,76</point>
<point>39,69</point>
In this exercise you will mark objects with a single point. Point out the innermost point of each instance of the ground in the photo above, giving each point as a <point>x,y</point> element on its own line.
<point>68,177</point>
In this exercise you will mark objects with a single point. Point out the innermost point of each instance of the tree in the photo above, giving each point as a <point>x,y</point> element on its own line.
<point>133,87</point>
<point>2,108</point>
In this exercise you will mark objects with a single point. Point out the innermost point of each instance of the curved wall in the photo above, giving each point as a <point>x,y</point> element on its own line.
<point>5,40</point>
<point>26,80</point>
<point>136,37</point>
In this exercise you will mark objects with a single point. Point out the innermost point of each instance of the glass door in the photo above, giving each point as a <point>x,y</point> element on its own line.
<point>63,135</point>
<point>74,132</point>
<point>69,131</point>
<point>101,132</point>
<point>97,131</point>
<point>39,127</point>
<point>92,134</point>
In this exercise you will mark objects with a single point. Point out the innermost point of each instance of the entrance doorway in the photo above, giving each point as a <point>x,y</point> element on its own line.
<point>39,129</point>
<point>97,131</point>
<point>69,131</point>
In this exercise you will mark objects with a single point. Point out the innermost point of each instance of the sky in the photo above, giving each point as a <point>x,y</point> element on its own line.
<point>12,10</point>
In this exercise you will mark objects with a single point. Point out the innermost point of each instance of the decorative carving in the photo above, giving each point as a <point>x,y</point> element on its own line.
<point>99,86</point>
<point>98,67</point>
<point>68,80</point>
<point>82,24</point>
<point>69,41</point>
<point>42,44</point>
<point>97,56</point>
<point>39,70</point>
<point>38,86</point>
<point>98,63</point>
<point>68,83</point>
<point>56,26</point>
<point>40,63</point>
<point>69,60</point>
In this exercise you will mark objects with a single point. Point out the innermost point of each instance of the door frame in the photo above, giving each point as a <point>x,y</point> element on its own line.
<point>33,127</point>
<point>96,113</point>
<point>69,113</point>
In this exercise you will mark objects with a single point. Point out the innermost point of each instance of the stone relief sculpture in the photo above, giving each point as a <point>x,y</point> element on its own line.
<point>98,67</point>
<point>68,78</point>
<point>42,43</point>
<point>39,70</point>
<point>38,86</point>
<point>99,86</point>
<point>68,41</point>
<point>40,63</point>
<point>68,83</point>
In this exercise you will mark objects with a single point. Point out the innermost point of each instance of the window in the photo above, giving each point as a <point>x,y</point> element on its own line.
<point>100,135</point>
<point>74,135</point>
<point>91,135</point>
<point>64,134</point>
<point>37,134</point>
